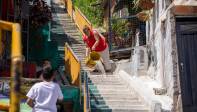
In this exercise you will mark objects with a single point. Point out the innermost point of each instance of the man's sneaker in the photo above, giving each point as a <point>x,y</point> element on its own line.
<point>108,71</point>
<point>95,70</point>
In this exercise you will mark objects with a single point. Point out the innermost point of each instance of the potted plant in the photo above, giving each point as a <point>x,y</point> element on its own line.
<point>143,4</point>
<point>40,13</point>
<point>144,15</point>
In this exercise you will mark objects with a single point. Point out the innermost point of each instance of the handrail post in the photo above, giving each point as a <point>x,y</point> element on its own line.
<point>1,46</point>
<point>86,94</point>
<point>86,76</point>
<point>16,68</point>
<point>84,91</point>
<point>72,10</point>
<point>16,63</point>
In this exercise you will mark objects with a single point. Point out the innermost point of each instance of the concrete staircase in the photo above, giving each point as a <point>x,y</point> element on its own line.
<point>64,30</point>
<point>111,94</point>
<point>107,94</point>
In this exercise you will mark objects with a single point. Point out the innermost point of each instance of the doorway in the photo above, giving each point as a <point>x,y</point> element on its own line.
<point>186,30</point>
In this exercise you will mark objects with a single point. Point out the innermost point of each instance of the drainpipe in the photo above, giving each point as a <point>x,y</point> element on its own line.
<point>162,63</point>
<point>162,56</point>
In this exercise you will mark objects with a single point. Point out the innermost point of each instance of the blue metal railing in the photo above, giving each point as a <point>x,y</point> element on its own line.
<point>87,107</point>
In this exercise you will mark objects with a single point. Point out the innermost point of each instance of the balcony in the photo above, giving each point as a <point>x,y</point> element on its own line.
<point>185,7</point>
<point>186,2</point>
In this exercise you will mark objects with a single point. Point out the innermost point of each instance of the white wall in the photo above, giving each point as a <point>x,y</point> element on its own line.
<point>159,36</point>
<point>168,65</point>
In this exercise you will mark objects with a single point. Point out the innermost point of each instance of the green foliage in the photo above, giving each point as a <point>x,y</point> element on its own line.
<point>136,4</point>
<point>93,13</point>
<point>119,27</point>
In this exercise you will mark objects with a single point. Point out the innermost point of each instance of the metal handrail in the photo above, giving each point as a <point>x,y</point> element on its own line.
<point>77,16</point>
<point>69,7</point>
<point>81,20</point>
<point>87,107</point>
<point>69,48</point>
<point>88,22</point>
<point>72,65</point>
<point>16,66</point>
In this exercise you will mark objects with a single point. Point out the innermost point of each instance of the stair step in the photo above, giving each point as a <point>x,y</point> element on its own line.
<point>79,53</point>
<point>99,97</point>
<point>69,27</point>
<point>106,82</point>
<point>109,90</point>
<point>64,15</point>
<point>105,79</point>
<point>110,94</point>
<point>75,39</point>
<point>63,19</point>
<point>107,86</point>
<point>119,110</point>
<point>72,30</point>
<point>99,76</point>
<point>119,106</point>
<point>116,102</point>
<point>82,53</point>
<point>80,50</point>
<point>75,36</point>
<point>61,48</point>
<point>67,21</point>
<point>80,45</point>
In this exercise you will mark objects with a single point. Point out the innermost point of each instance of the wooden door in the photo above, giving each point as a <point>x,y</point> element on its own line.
<point>187,54</point>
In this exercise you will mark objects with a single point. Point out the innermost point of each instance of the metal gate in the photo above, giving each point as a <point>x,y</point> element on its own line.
<point>187,53</point>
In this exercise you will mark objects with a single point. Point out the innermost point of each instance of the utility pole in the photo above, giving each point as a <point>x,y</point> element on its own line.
<point>110,27</point>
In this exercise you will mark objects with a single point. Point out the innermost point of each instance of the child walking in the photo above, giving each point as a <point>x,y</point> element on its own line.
<point>42,97</point>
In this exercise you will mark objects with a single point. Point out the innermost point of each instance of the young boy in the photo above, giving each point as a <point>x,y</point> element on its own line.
<point>45,64</point>
<point>42,97</point>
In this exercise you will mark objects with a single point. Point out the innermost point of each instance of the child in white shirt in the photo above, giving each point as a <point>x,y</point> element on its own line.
<point>42,97</point>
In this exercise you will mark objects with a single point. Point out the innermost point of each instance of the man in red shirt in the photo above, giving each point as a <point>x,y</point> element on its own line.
<point>96,42</point>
